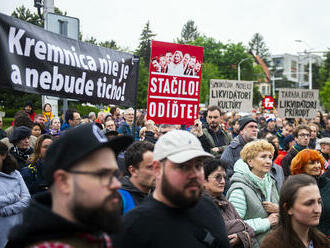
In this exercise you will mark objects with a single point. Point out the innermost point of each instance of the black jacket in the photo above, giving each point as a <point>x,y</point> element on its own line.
<point>286,162</point>
<point>41,224</point>
<point>137,195</point>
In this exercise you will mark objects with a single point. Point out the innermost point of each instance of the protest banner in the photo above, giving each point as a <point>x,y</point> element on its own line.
<point>231,95</point>
<point>174,83</point>
<point>298,103</point>
<point>37,61</point>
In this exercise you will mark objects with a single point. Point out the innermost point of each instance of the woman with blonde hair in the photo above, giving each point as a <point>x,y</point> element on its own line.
<point>253,192</point>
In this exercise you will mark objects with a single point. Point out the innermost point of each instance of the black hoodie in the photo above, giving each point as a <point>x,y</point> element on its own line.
<point>41,224</point>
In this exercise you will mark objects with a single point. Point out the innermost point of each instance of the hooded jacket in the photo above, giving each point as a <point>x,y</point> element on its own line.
<point>232,154</point>
<point>51,229</point>
<point>247,192</point>
<point>137,195</point>
<point>14,198</point>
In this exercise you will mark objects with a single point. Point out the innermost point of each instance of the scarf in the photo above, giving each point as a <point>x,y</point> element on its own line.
<point>298,147</point>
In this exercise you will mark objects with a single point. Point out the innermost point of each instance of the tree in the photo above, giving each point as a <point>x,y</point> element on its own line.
<point>144,48</point>
<point>325,96</point>
<point>258,46</point>
<point>189,32</point>
<point>257,97</point>
<point>26,15</point>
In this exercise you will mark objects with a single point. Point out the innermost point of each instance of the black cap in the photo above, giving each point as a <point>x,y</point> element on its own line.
<point>28,103</point>
<point>244,121</point>
<point>19,133</point>
<point>75,144</point>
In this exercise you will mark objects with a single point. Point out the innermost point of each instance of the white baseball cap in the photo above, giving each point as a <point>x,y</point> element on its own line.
<point>179,146</point>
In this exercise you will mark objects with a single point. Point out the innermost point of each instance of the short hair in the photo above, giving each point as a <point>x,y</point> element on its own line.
<point>212,108</point>
<point>91,114</point>
<point>302,158</point>
<point>134,153</point>
<point>52,120</point>
<point>300,127</point>
<point>21,118</point>
<point>314,125</point>
<point>113,110</point>
<point>210,165</point>
<point>128,110</point>
<point>46,105</point>
<point>251,149</point>
<point>69,114</point>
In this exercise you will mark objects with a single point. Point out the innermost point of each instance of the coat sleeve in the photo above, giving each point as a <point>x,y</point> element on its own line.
<point>23,202</point>
<point>8,199</point>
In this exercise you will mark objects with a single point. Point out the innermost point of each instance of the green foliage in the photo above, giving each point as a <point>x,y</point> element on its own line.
<point>85,110</point>
<point>324,71</point>
<point>144,48</point>
<point>143,82</point>
<point>258,46</point>
<point>209,71</point>
<point>189,32</point>
<point>325,96</point>
<point>257,97</point>
<point>7,122</point>
<point>26,15</point>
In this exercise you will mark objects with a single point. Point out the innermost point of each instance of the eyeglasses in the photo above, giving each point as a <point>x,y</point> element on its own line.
<point>306,135</point>
<point>219,177</point>
<point>187,166</point>
<point>105,176</point>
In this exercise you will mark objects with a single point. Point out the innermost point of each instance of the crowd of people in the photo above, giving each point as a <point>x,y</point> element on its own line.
<point>113,179</point>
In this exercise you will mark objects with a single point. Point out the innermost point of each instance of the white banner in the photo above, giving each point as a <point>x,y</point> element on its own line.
<point>231,95</point>
<point>298,103</point>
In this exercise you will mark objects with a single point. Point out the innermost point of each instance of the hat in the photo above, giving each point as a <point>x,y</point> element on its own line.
<point>28,103</point>
<point>325,140</point>
<point>19,133</point>
<point>179,146</point>
<point>270,118</point>
<point>75,144</point>
<point>244,121</point>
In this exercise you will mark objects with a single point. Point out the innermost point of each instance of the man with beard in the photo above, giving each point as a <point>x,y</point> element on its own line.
<point>83,205</point>
<point>141,179</point>
<point>213,138</point>
<point>248,131</point>
<point>176,215</point>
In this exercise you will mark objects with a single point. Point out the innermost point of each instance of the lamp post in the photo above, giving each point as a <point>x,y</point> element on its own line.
<point>239,68</point>
<point>310,76</point>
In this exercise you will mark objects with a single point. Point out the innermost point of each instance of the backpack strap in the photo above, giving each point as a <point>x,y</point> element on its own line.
<point>127,201</point>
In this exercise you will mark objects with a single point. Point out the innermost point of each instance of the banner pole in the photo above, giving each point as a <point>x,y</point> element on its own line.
<point>137,61</point>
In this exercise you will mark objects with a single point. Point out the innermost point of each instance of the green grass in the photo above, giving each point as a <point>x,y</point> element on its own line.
<point>7,121</point>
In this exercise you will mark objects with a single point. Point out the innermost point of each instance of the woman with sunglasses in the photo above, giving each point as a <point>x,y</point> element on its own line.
<point>240,234</point>
<point>253,192</point>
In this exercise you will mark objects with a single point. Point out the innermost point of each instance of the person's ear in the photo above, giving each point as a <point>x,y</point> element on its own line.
<point>63,181</point>
<point>131,169</point>
<point>157,168</point>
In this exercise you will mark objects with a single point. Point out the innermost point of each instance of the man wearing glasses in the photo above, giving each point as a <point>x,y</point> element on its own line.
<point>302,136</point>
<point>83,205</point>
<point>176,215</point>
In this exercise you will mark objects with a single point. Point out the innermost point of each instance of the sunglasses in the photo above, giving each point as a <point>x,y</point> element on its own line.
<point>219,177</point>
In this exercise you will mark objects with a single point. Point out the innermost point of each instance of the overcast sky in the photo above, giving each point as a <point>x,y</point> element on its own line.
<point>279,21</point>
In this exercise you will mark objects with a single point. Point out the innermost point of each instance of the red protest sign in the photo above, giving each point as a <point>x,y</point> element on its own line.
<point>174,83</point>
<point>268,102</point>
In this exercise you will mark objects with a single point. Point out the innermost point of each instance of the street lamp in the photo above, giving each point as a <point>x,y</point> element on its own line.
<point>310,78</point>
<point>239,68</point>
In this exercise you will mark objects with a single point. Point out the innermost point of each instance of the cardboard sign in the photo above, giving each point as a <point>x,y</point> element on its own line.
<point>231,95</point>
<point>37,61</point>
<point>174,83</point>
<point>298,103</point>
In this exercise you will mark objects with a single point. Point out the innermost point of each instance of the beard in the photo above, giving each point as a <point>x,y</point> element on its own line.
<point>177,197</point>
<point>102,218</point>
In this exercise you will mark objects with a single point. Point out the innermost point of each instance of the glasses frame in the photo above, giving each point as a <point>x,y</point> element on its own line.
<point>100,174</point>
